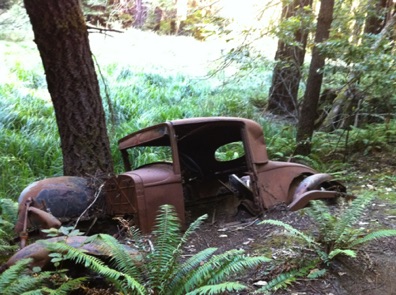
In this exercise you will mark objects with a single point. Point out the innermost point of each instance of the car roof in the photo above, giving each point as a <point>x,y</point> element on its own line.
<point>159,134</point>
<point>154,134</point>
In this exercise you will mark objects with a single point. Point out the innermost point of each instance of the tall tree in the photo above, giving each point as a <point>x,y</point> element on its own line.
<point>378,14</point>
<point>308,112</point>
<point>290,57</point>
<point>61,36</point>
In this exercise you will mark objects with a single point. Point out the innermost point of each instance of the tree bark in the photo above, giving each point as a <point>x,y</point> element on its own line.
<point>286,77</point>
<point>308,112</point>
<point>62,39</point>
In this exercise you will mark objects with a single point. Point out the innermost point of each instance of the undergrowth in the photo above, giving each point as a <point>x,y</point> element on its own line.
<point>162,270</point>
<point>29,140</point>
<point>337,234</point>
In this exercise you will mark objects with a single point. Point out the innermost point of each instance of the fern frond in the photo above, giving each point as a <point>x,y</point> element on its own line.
<point>346,252</point>
<point>5,236</point>
<point>320,212</point>
<point>15,281</point>
<point>187,269</point>
<point>374,236</point>
<point>33,292</point>
<point>173,269</point>
<point>236,265</point>
<point>167,236</point>
<point>323,218</point>
<point>4,247</point>
<point>293,231</point>
<point>223,288</point>
<point>65,288</point>
<point>9,276</point>
<point>349,217</point>
<point>284,280</point>
<point>204,272</point>
<point>137,237</point>
<point>80,257</point>
<point>316,273</point>
<point>118,254</point>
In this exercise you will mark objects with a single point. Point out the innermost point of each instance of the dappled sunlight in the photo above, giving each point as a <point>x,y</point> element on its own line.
<point>150,52</point>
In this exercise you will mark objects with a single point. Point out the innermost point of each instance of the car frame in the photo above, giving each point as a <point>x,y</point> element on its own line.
<point>208,160</point>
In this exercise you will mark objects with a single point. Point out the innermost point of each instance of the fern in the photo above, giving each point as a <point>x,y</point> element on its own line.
<point>316,273</point>
<point>293,231</point>
<point>16,280</point>
<point>235,264</point>
<point>346,252</point>
<point>161,271</point>
<point>221,266</point>
<point>349,217</point>
<point>337,234</point>
<point>186,270</point>
<point>124,263</point>
<point>8,213</point>
<point>282,281</point>
<point>223,288</point>
<point>323,219</point>
<point>8,210</point>
<point>174,270</point>
<point>123,281</point>
<point>374,236</point>
<point>167,233</point>
<point>11,274</point>
<point>64,289</point>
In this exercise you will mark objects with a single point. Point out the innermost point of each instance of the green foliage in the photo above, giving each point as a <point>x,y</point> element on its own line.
<point>373,138</point>
<point>285,279</point>
<point>8,213</point>
<point>336,235</point>
<point>64,288</point>
<point>30,143</point>
<point>162,271</point>
<point>29,136</point>
<point>291,230</point>
<point>19,280</point>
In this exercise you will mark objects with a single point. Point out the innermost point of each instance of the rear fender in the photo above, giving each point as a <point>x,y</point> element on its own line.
<point>45,202</point>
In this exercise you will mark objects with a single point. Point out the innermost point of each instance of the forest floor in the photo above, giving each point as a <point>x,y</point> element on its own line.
<point>371,272</point>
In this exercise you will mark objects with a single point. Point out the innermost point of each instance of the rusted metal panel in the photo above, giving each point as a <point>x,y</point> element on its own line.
<point>275,179</point>
<point>38,252</point>
<point>63,197</point>
<point>120,196</point>
<point>141,192</point>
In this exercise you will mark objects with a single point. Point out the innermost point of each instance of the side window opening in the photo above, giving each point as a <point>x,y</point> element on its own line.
<point>145,155</point>
<point>230,151</point>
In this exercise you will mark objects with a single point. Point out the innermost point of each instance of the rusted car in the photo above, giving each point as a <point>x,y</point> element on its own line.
<point>185,163</point>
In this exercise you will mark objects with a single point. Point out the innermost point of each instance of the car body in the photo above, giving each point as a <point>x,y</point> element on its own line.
<point>189,162</point>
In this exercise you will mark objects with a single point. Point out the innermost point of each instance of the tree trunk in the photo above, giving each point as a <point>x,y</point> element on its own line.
<point>287,73</point>
<point>377,15</point>
<point>308,113</point>
<point>62,39</point>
